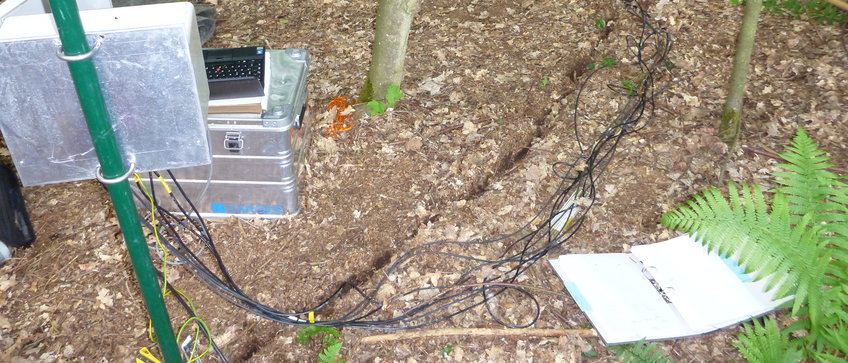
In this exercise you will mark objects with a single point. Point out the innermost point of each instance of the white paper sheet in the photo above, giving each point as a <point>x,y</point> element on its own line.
<point>624,295</point>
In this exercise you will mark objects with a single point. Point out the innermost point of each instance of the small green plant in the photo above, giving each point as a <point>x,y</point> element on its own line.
<point>332,340</point>
<point>604,63</point>
<point>601,24</point>
<point>446,351</point>
<point>641,352</point>
<point>799,245</point>
<point>630,86</point>
<point>591,353</point>
<point>545,82</point>
<point>376,107</point>
<point>607,62</point>
<point>767,343</point>
<point>393,94</point>
<point>819,11</point>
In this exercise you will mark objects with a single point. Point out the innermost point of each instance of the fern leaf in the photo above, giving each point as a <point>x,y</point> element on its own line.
<point>641,352</point>
<point>329,355</point>
<point>765,243</point>
<point>806,181</point>
<point>766,343</point>
<point>307,332</point>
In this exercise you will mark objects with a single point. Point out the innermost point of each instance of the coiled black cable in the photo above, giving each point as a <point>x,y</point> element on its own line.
<point>486,280</point>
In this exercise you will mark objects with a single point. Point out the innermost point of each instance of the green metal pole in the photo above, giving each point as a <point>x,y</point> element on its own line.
<point>66,14</point>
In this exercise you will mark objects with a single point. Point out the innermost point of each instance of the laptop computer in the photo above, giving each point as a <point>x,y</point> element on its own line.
<point>236,73</point>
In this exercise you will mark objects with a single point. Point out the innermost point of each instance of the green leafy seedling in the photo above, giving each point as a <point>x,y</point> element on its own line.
<point>446,351</point>
<point>376,107</point>
<point>591,65</point>
<point>545,82</point>
<point>330,354</point>
<point>607,62</point>
<point>393,94</point>
<point>332,340</point>
<point>601,24</point>
<point>591,353</point>
<point>630,86</point>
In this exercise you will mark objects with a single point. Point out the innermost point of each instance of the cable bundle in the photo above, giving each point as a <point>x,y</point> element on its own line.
<point>484,282</point>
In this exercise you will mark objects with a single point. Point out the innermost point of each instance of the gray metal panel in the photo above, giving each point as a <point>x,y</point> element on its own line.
<point>154,94</point>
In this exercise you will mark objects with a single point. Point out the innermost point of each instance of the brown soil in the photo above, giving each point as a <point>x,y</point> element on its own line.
<point>466,154</point>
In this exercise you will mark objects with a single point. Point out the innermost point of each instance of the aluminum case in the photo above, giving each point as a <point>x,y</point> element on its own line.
<point>256,158</point>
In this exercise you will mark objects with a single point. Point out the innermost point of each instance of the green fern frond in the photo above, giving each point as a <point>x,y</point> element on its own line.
<point>742,225</point>
<point>800,245</point>
<point>332,339</point>
<point>310,331</point>
<point>766,343</point>
<point>834,319</point>
<point>808,184</point>
<point>641,352</point>
<point>329,355</point>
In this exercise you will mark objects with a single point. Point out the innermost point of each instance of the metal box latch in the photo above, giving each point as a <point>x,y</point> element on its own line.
<point>233,141</point>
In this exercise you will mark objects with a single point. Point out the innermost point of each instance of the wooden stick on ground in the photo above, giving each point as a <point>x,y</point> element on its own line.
<point>840,4</point>
<point>479,332</point>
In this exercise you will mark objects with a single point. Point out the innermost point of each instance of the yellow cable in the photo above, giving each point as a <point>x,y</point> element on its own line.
<point>165,291</point>
<point>164,184</point>
<point>153,222</point>
<point>199,321</point>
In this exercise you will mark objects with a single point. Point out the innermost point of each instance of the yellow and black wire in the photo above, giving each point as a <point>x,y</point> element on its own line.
<point>169,289</point>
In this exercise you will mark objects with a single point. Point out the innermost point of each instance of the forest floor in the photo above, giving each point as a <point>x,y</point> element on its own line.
<point>489,92</point>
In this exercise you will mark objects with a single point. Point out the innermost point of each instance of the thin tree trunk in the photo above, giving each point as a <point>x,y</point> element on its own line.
<point>394,18</point>
<point>731,116</point>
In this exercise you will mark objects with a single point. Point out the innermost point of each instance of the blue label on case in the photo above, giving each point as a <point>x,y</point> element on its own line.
<point>219,208</point>
<point>247,209</point>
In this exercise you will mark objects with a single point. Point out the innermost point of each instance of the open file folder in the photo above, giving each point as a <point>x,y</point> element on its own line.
<point>660,291</point>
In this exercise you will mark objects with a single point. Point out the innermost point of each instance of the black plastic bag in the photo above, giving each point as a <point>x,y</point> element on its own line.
<point>15,227</point>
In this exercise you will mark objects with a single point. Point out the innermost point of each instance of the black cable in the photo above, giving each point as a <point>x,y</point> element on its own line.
<point>192,314</point>
<point>483,280</point>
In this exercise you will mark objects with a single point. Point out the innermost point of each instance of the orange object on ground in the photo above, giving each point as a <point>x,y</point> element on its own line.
<point>341,122</point>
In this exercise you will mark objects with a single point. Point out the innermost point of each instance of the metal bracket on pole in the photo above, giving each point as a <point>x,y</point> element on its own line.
<point>60,52</point>
<point>125,176</point>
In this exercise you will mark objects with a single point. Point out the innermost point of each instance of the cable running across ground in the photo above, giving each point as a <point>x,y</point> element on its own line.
<point>481,281</point>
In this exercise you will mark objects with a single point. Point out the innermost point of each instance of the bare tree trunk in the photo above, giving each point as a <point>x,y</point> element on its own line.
<point>731,116</point>
<point>394,18</point>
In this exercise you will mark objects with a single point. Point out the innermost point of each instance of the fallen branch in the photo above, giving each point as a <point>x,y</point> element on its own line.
<point>479,332</point>
<point>840,4</point>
